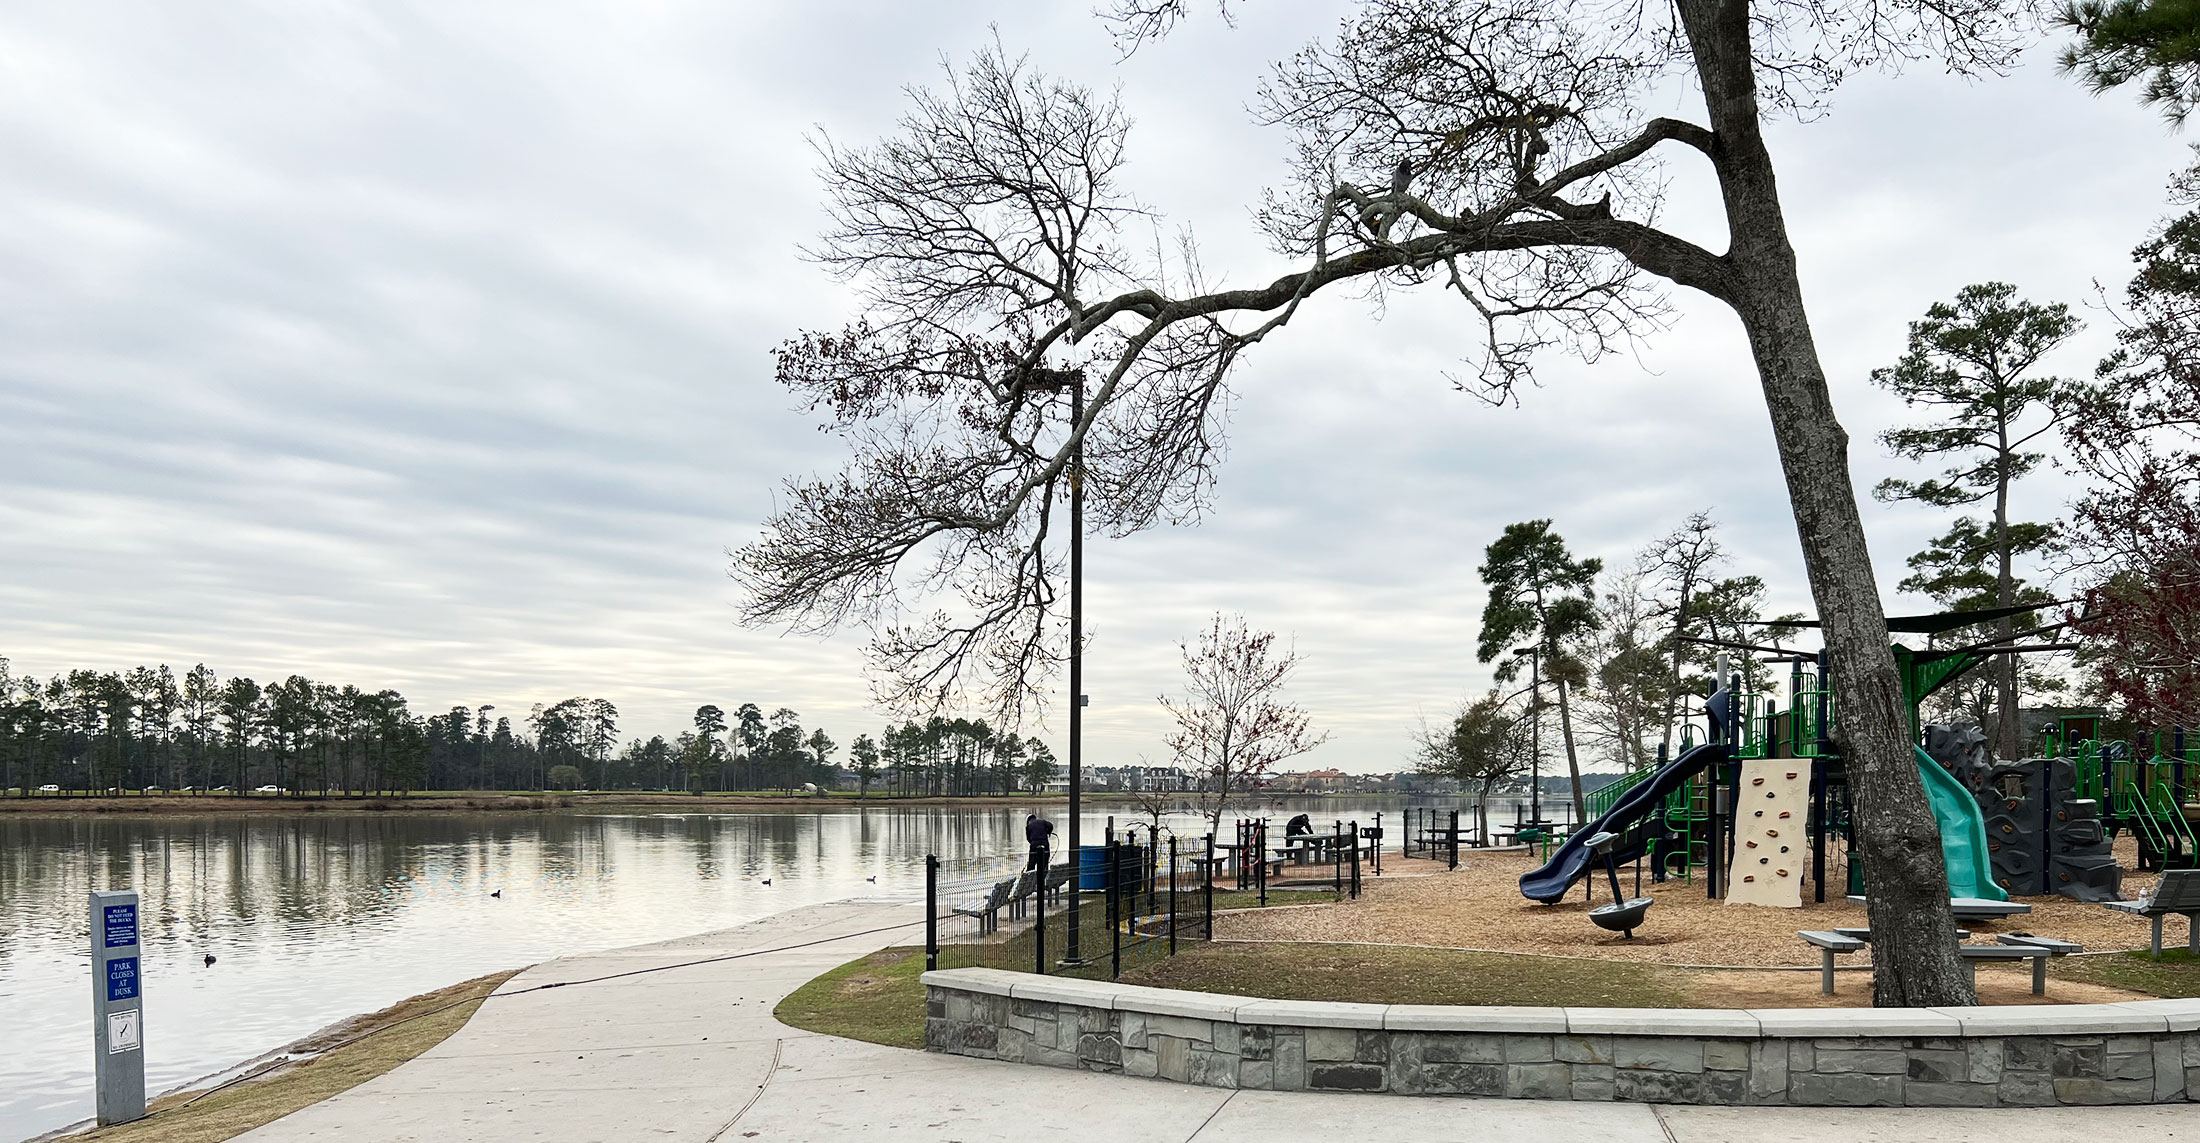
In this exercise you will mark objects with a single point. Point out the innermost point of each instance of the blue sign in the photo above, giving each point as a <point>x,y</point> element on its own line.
<point>122,928</point>
<point>122,978</point>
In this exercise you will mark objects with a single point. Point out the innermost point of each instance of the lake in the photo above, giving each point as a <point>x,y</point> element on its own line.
<point>312,918</point>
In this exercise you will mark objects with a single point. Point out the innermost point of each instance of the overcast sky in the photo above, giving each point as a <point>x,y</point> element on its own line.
<point>427,346</point>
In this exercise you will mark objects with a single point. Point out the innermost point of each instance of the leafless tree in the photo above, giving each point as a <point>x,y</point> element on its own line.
<point>1232,723</point>
<point>1487,742</point>
<point>1680,565</point>
<point>1501,150</point>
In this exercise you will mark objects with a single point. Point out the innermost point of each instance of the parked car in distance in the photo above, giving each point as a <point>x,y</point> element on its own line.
<point>49,788</point>
<point>267,790</point>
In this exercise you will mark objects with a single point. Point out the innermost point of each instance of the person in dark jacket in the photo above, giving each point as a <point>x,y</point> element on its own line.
<point>1298,825</point>
<point>1039,832</point>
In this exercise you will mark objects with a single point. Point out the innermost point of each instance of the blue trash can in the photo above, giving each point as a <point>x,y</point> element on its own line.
<point>1092,869</point>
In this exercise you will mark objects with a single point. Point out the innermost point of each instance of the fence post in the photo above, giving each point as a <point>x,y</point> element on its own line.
<point>1039,909</point>
<point>1172,894</point>
<point>1260,861</point>
<point>1209,894</point>
<point>931,911</point>
<point>1115,905</point>
<point>1378,840</point>
<point>1354,842</point>
<point>1336,857</point>
<point>1454,840</point>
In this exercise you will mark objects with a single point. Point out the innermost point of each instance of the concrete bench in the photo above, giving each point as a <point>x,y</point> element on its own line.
<point>2014,946</point>
<point>2178,894</point>
<point>1830,944</point>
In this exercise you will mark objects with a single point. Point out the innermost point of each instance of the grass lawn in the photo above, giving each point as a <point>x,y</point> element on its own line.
<point>392,1036</point>
<point>2177,974</point>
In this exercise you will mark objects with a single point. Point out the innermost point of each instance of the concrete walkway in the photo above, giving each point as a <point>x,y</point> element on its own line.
<point>692,1054</point>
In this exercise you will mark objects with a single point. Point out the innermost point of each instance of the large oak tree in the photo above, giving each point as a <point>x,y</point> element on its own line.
<point>1504,151</point>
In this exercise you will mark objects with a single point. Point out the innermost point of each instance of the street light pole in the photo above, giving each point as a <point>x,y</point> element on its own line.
<point>1073,380</point>
<point>1535,730</point>
<point>1071,954</point>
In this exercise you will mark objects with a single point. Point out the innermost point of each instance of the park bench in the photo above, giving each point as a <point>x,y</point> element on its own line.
<point>1830,944</point>
<point>988,912</point>
<point>2015,947</point>
<point>1019,898</point>
<point>2178,893</point>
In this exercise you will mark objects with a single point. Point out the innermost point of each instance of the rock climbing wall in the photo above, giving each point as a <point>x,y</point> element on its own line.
<point>1771,836</point>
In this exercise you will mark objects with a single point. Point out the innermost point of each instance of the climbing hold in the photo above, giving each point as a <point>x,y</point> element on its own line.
<point>1760,813</point>
<point>1772,793</point>
<point>1772,833</point>
<point>1783,849</point>
<point>1782,872</point>
<point>1791,775</point>
<point>1751,877</point>
<point>1750,844</point>
<point>1783,814</point>
<point>1756,781</point>
<point>1764,861</point>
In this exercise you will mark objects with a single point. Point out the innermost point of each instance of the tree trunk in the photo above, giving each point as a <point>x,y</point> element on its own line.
<point>1573,764</point>
<point>2008,735</point>
<point>1914,958</point>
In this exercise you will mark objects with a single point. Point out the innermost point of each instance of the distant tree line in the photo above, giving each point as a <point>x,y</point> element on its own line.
<point>149,728</point>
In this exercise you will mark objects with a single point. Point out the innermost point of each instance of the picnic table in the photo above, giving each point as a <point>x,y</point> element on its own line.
<point>2008,946</point>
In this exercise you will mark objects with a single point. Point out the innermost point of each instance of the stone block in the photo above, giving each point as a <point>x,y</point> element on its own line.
<point>1145,1063</point>
<point>2077,1060</point>
<point>1726,1056</point>
<point>1101,1052</point>
<point>1311,1014</point>
<point>1468,1018</point>
<point>1930,1065</point>
<point>1851,1089</point>
<point>938,1034</point>
<point>1095,1021</point>
<point>1172,1057</point>
<point>2028,1054</point>
<point>1802,1056</point>
<point>2169,1071</point>
<point>1209,1068</point>
<point>977,1039</point>
<point>1658,1087</point>
<point>1768,1071</point>
<point>1331,1044</point>
<point>1983,1059</point>
<point>1256,1042</point>
<point>1181,1027</point>
<point>1726,1087</point>
<point>1066,1032</point>
<point>2125,1045</point>
<point>1462,1079</point>
<point>1664,1055</point>
<point>2057,1020</point>
<point>2086,1091</point>
<point>1290,1058</point>
<point>1462,1048</point>
<point>1582,1049</point>
<point>1227,1036</point>
<point>2192,1051</point>
<point>1256,1075</point>
<point>2128,1065</point>
<point>1033,1009</point>
<point>1539,1081</point>
<point>2025,1089</point>
<point>1902,1023</point>
<point>935,1003</point>
<point>1928,1094</point>
<point>2192,1084</point>
<point>1866,1061</point>
<point>1690,1022</point>
<point>1051,1057</point>
<point>1009,1043</point>
<point>1343,1077</point>
<point>1593,1091</point>
<point>1528,1050</point>
<point>1373,1047</point>
<point>1130,1027</point>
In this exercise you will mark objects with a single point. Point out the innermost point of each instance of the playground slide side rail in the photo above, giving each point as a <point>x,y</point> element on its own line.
<point>2130,1053</point>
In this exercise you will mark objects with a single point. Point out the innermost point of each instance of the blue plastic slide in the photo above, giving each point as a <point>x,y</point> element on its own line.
<point>1567,866</point>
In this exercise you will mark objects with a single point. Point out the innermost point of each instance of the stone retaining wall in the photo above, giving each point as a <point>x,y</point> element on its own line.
<point>2142,1052</point>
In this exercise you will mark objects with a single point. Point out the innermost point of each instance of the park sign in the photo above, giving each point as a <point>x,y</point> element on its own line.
<point>118,1020</point>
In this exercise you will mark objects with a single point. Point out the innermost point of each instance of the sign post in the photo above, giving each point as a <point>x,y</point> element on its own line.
<point>118,1023</point>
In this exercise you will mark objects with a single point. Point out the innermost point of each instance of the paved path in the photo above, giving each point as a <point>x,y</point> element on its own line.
<point>692,1054</point>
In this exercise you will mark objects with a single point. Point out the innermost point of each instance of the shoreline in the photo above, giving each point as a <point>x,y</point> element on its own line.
<point>483,802</point>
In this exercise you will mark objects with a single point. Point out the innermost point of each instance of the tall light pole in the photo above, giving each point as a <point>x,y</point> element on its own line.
<point>1073,381</point>
<point>1535,729</point>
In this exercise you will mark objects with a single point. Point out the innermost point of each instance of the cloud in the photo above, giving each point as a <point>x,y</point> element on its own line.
<point>428,347</point>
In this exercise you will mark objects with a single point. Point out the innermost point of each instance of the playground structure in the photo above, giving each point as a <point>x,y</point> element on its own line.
<point>2030,826</point>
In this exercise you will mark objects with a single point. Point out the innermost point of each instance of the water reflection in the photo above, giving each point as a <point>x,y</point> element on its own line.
<point>316,917</point>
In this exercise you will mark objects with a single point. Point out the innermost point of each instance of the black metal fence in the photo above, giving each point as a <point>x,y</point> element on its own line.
<point>1137,897</point>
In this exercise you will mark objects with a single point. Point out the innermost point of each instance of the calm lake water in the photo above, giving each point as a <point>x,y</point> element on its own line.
<point>316,917</point>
